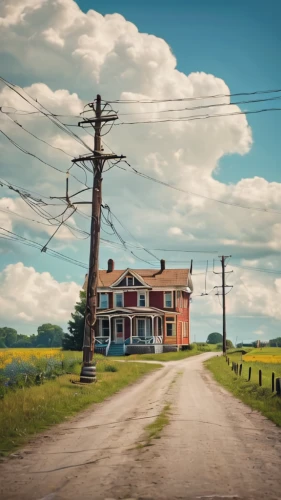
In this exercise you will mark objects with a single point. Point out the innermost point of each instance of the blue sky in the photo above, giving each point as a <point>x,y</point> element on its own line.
<point>238,42</point>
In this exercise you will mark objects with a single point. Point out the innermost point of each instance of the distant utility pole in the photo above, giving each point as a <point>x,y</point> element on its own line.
<point>97,160</point>
<point>224,286</point>
<point>223,306</point>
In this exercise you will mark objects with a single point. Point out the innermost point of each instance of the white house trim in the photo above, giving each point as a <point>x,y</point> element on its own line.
<point>133,274</point>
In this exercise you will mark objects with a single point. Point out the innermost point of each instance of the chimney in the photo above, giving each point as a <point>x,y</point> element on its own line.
<point>110,265</point>
<point>162,262</point>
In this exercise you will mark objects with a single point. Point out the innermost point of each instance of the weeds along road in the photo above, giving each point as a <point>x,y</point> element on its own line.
<point>213,447</point>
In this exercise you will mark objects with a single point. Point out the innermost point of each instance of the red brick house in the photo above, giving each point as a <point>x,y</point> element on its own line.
<point>142,310</point>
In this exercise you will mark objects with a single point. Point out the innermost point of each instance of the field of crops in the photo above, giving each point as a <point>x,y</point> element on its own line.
<point>26,367</point>
<point>264,355</point>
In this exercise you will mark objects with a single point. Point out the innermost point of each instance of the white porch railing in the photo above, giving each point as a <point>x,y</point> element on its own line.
<point>136,340</point>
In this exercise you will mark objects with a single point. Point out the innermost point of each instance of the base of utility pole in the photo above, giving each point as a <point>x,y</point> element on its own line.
<point>88,373</point>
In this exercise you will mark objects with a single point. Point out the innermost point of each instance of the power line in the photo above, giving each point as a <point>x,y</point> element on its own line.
<point>26,241</point>
<point>199,117</point>
<point>201,107</point>
<point>148,177</point>
<point>179,99</point>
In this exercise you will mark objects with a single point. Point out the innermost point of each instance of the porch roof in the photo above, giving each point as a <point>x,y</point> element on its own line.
<point>134,311</point>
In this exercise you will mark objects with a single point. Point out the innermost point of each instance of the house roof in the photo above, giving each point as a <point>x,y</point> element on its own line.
<point>153,277</point>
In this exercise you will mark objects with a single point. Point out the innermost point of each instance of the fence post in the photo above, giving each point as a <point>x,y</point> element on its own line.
<point>250,373</point>
<point>278,386</point>
<point>240,370</point>
<point>273,381</point>
<point>228,361</point>
<point>260,378</point>
<point>232,366</point>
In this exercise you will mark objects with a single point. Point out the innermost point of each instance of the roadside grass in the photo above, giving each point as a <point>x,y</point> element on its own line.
<point>27,411</point>
<point>258,398</point>
<point>154,429</point>
<point>170,356</point>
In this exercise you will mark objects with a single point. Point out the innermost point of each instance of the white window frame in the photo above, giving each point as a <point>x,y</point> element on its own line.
<point>118,293</point>
<point>100,327</point>
<point>106,294</point>
<point>145,298</point>
<point>130,278</point>
<point>172,299</point>
<point>169,322</point>
<point>141,319</point>
<point>185,329</point>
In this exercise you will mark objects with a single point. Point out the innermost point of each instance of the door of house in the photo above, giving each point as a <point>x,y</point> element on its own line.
<point>119,331</point>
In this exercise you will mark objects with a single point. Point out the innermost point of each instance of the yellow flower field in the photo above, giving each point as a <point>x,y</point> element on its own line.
<point>8,355</point>
<point>262,358</point>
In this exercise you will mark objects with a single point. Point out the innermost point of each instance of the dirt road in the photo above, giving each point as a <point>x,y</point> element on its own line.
<point>214,447</point>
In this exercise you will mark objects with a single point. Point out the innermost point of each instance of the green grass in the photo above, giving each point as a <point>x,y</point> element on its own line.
<point>258,398</point>
<point>25,412</point>
<point>261,351</point>
<point>154,429</point>
<point>170,356</point>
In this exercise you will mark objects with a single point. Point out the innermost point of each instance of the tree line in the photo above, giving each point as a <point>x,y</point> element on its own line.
<point>48,335</point>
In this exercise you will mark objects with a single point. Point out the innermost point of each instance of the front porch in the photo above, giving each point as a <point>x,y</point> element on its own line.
<point>117,332</point>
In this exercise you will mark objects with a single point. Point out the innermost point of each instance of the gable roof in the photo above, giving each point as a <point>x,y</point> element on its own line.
<point>152,277</point>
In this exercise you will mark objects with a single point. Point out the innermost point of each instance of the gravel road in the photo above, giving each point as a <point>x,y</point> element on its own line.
<point>214,447</point>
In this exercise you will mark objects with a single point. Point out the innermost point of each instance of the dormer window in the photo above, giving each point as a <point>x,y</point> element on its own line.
<point>129,281</point>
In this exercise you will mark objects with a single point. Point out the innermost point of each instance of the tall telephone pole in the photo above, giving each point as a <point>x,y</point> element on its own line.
<point>223,286</point>
<point>223,306</point>
<point>97,159</point>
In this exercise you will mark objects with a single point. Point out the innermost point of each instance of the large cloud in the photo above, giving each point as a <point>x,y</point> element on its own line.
<point>31,296</point>
<point>67,56</point>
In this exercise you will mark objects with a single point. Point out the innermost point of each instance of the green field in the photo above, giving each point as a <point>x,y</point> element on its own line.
<point>259,398</point>
<point>28,410</point>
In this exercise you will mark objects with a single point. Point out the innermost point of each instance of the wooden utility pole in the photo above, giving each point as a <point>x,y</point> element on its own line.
<point>97,160</point>
<point>223,307</point>
<point>91,304</point>
<point>223,286</point>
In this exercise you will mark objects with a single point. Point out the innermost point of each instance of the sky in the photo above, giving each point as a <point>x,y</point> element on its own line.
<point>63,53</point>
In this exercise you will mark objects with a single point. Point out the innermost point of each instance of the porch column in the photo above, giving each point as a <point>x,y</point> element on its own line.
<point>162,329</point>
<point>152,326</point>
<point>131,330</point>
<point>109,320</point>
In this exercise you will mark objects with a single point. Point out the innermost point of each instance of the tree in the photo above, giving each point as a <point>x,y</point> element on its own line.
<point>9,335</point>
<point>275,342</point>
<point>49,335</point>
<point>214,338</point>
<point>2,343</point>
<point>229,344</point>
<point>73,341</point>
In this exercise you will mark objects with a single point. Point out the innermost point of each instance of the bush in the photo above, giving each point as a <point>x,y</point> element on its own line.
<point>110,368</point>
<point>190,347</point>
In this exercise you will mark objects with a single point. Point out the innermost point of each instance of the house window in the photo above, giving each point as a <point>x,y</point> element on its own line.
<point>168,300</point>
<point>104,328</point>
<point>141,299</point>
<point>141,327</point>
<point>119,299</point>
<point>130,281</point>
<point>104,300</point>
<point>170,326</point>
<point>185,330</point>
